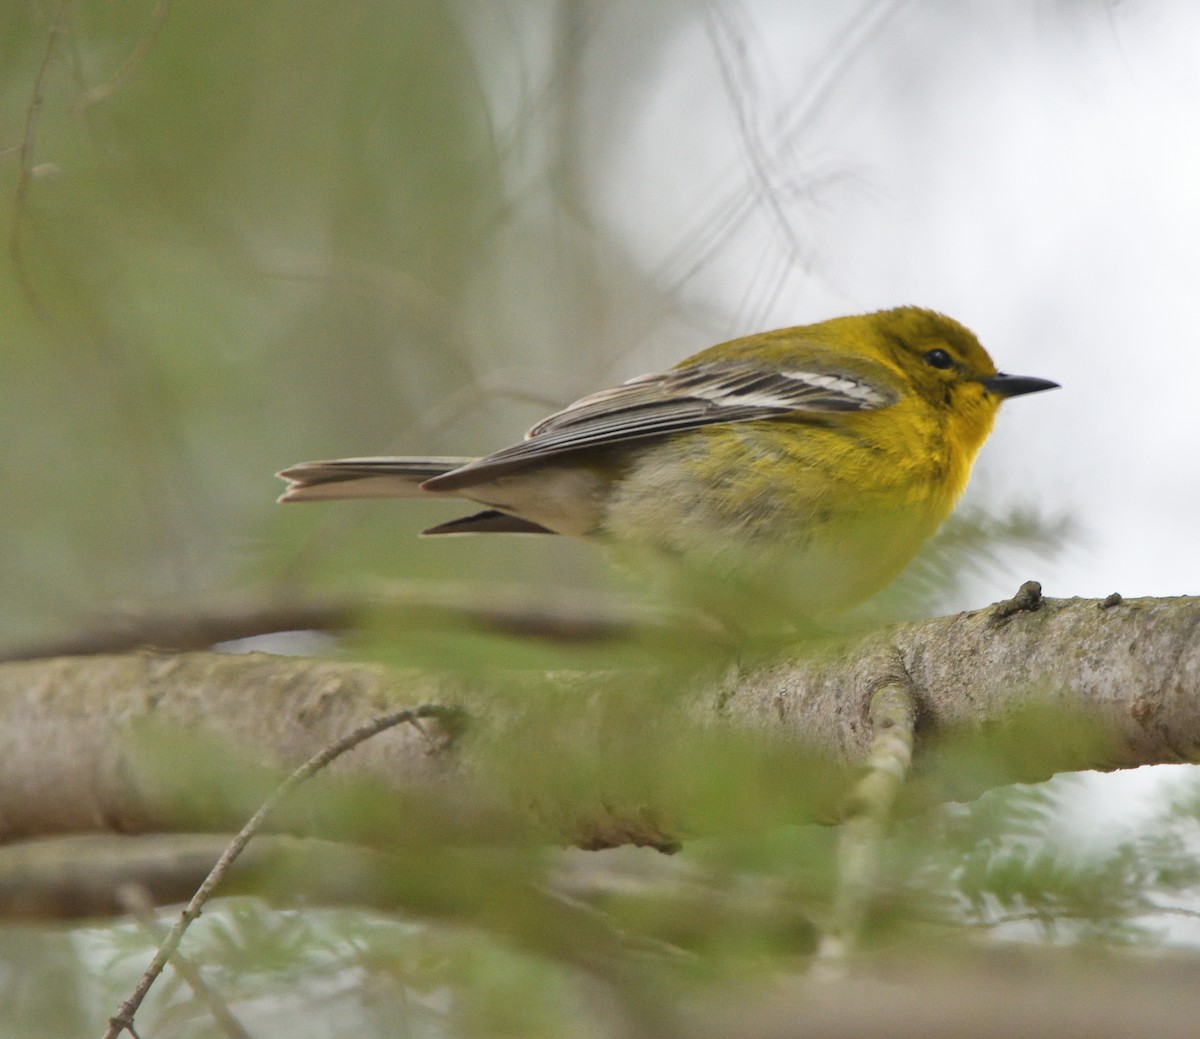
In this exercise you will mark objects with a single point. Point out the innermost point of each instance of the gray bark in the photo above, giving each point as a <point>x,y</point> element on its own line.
<point>177,743</point>
<point>78,735</point>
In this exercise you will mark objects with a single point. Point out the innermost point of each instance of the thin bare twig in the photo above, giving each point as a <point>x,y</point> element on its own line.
<point>136,900</point>
<point>25,159</point>
<point>122,1020</point>
<point>103,91</point>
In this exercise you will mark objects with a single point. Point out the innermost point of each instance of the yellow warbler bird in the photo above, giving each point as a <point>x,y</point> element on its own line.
<point>811,463</point>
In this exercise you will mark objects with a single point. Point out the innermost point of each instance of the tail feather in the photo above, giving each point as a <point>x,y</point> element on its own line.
<point>365,478</point>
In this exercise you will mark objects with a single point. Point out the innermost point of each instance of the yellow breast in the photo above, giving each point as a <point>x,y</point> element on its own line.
<point>816,515</point>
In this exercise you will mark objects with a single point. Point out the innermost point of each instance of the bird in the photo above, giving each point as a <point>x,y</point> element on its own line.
<point>805,465</point>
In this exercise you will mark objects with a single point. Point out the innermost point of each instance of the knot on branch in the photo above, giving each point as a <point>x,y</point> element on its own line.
<point>1027,600</point>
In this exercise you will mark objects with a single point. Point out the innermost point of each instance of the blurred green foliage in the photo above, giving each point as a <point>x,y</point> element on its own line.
<point>243,235</point>
<point>498,941</point>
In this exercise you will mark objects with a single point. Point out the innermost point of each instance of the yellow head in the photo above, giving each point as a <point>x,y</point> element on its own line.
<point>935,358</point>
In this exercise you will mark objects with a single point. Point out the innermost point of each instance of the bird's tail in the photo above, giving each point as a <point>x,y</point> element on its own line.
<point>365,478</point>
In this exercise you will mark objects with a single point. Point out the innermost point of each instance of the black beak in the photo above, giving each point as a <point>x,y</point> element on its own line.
<point>1014,385</point>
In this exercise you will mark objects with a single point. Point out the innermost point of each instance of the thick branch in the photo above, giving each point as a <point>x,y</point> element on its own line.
<point>1132,665</point>
<point>74,732</point>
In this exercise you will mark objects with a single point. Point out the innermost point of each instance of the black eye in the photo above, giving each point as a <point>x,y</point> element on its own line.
<point>939,358</point>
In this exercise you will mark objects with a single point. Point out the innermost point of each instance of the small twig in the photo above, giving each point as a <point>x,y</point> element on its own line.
<point>25,172</point>
<point>644,944</point>
<point>103,91</point>
<point>122,1020</point>
<point>136,900</point>
<point>892,713</point>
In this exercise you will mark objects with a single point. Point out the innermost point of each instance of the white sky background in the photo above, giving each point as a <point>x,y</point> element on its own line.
<point>1032,169</point>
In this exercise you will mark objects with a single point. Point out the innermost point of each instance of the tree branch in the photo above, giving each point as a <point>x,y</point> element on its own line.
<point>122,1020</point>
<point>81,877</point>
<point>78,735</point>
<point>893,716</point>
<point>138,902</point>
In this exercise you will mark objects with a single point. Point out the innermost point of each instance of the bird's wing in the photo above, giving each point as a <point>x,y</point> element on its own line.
<point>673,401</point>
